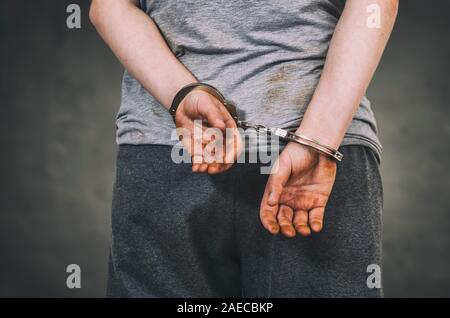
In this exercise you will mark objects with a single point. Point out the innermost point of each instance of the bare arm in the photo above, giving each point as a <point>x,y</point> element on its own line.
<point>297,192</point>
<point>353,56</point>
<point>136,41</point>
<point>138,44</point>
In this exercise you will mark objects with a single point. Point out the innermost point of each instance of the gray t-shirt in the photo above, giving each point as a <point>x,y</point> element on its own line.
<point>267,56</point>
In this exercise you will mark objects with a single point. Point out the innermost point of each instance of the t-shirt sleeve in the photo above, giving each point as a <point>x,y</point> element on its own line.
<point>143,5</point>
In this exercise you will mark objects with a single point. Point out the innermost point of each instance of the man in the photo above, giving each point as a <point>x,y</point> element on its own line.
<point>194,231</point>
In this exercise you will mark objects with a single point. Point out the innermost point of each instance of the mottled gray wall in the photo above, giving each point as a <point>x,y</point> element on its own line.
<point>58,98</point>
<point>411,99</point>
<point>59,94</point>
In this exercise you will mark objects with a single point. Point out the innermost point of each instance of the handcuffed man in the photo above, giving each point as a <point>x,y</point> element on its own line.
<point>218,229</point>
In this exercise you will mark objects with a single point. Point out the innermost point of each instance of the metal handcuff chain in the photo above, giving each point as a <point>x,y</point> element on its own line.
<point>231,107</point>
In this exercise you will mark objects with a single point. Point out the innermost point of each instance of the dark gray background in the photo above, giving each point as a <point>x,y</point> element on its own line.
<point>60,91</point>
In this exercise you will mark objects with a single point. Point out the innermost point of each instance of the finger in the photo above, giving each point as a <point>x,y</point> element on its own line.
<point>207,138</point>
<point>228,119</point>
<point>301,222</point>
<point>203,168</point>
<point>268,218</point>
<point>217,168</point>
<point>197,159</point>
<point>213,148</point>
<point>186,137</point>
<point>285,216</point>
<point>276,183</point>
<point>197,146</point>
<point>233,146</point>
<point>275,190</point>
<point>268,213</point>
<point>210,110</point>
<point>278,179</point>
<point>316,219</point>
<point>195,167</point>
<point>214,168</point>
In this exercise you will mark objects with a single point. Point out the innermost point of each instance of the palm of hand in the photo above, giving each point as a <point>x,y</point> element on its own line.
<point>201,107</point>
<point>297,192</point>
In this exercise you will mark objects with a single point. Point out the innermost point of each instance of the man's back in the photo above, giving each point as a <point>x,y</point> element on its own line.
<point>267,56</point>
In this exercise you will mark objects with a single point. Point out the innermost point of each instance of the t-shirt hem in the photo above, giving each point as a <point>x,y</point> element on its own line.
<point>349,139</point>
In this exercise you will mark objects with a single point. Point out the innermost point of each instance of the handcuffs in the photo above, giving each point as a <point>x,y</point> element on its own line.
<point>231,107</point>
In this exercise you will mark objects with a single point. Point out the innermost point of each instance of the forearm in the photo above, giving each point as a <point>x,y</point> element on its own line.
<point>136,41</point>
<point>354,53</point>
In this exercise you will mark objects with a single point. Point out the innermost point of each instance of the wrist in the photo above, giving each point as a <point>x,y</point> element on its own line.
<point>310,154</point>
<point>326,126</point>
<point>314,138</point>
<point>177,86</point>
<point>186,90</point>
<point>320,134</point>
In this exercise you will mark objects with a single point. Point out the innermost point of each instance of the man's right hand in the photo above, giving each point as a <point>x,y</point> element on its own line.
<point>201,107</point>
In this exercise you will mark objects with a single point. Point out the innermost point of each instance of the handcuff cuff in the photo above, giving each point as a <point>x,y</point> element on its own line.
<point>231,107</point>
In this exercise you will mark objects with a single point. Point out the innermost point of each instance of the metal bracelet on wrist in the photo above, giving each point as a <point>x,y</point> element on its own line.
<point>203,87</point>
<point>231,107</point>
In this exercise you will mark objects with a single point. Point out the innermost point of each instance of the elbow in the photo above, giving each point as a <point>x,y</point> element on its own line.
<point>393,7</point>
<point>101,10</point>
<point>95,12</point>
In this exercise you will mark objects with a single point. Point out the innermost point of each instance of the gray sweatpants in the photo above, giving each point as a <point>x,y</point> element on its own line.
<point>180,234</point>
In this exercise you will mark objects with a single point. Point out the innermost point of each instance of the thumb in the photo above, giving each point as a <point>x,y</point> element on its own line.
<point>209,109</point>
<point>201,105</point>
<point>276,182</point>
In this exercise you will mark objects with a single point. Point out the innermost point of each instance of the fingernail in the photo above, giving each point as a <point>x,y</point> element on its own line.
<point>288,231</point>
<point>272,199</point>
<point>304,230</point>
<point>316,226</point>
<point>274,229</point>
